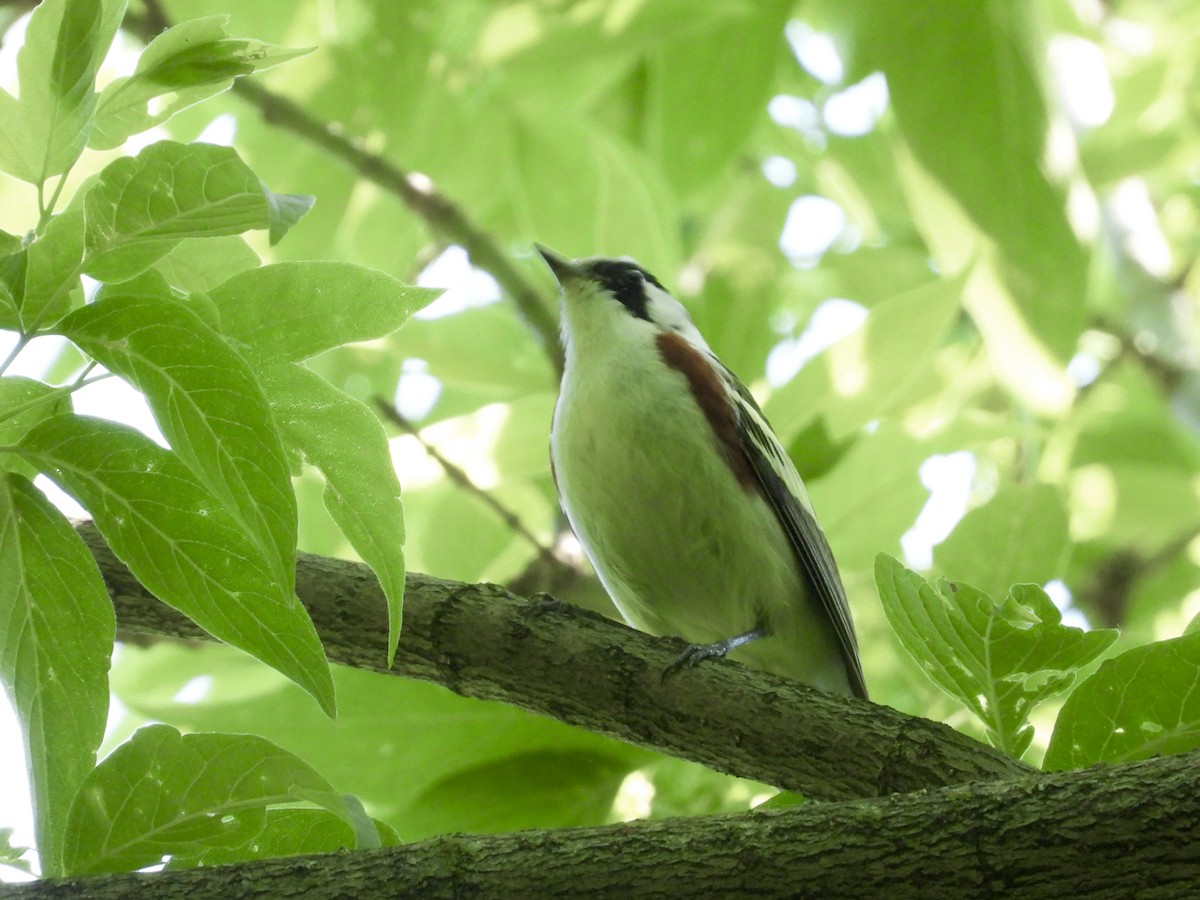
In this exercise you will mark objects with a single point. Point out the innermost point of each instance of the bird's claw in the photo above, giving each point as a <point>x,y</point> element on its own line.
<point>694,655</point>
<point>541,604</point>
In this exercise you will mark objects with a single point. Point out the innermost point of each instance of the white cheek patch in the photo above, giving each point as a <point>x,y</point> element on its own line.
<point>668,314</point>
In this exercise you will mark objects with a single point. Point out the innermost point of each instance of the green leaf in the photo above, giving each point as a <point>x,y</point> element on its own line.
<point>483,349</point>
<point>43,133</point>
<point>162,793</point>
<point>1143,703</point>
<point>150,285</point>
<point>185,64</point>
<point>141,207</point>
<point>292,832</point>
<point>422,730</point>
<point>856,379</point>
<point>182,543</point>
<point>55,648</point>
<point>9,243</point>
<point>10,316</point>
<point>209,406</point>
<point>584,51</point>
<point>13,262</point>
<point>200,264</point>
<point>284,211</point>
<point>10,855</point>
<point>983,135</point>
<point>872,496</point>
<point>366,835</point>
<point>344,440</point>
<point>558,788</point>
<point>293,311</point>
<point>15,157</point>
<point>999,660</point>
<point>312,308</point>
<point>23,404</point>
<point>685,93</point>
<point>1020,535</point>
<point>586,220</point>
<point>483,537</point>
<point>52,284</point>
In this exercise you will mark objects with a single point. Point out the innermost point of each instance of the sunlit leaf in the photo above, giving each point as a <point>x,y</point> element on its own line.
<point>43,132</point>
<point>185,64</point>
<point>181,542</point>
<point>686,94</point>
<point>209,406</point>
<point>284,211</point>
<point>163,792</point>
<point>141,207</point>
<point>10,855</point>
<point>871,497</point>
<point>23,404</point>
<point>855,379</point>
<point>14,259</point>
<point>52,284</point>
<point>55,644</point>
<point>290,832</point>
<point>998,659</point>
<point>983,135</point>
<point>344,440</point>
<point>1020,535</point>
<point>292,311</point>
<point>1143,703</point>
<point>586,221</point>
<point>199,264</point>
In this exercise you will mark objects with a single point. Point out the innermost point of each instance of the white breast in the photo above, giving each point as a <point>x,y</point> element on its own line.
<point>680,545</point>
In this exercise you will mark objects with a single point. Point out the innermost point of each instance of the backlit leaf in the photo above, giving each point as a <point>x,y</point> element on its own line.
<point>998,659</point>
<point>163,792</point>
<point>56,634</point>
<point>181,542</point>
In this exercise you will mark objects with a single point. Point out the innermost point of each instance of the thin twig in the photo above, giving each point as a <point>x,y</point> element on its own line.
<point>1115,577</point>
<point>1167,372</point>
<point>463,480</point>
<point>22,340</point>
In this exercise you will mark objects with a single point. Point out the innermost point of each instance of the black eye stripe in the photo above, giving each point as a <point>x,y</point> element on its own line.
<point>650,278</point>
<point>627,282</point>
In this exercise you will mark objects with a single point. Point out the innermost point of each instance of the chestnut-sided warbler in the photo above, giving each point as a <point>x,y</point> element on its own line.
<point>688,507</point>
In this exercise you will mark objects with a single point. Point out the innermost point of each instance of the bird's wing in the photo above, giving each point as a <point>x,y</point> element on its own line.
<point>784,490</point>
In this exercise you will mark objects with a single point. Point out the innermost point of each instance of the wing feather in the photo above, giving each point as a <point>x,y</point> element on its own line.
<point>784,490</point>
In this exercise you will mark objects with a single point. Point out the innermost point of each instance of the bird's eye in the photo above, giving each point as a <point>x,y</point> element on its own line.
<point>635,274</point>
<point>625,281</point>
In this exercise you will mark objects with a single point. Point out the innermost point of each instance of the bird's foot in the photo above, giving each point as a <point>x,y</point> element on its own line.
<point>541,604</point>
<point>698,653</point>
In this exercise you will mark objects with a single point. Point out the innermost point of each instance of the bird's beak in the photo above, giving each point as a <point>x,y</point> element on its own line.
<point>564,269</point>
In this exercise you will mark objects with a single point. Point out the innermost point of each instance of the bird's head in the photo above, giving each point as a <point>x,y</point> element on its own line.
<point>607,301</point>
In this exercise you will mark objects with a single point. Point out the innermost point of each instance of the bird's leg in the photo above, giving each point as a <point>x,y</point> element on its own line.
<point>698,653</point>
<point>541,604</point>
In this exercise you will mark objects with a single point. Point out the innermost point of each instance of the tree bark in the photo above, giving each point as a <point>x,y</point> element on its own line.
<point>1105,832</point>
<point>578,667</point>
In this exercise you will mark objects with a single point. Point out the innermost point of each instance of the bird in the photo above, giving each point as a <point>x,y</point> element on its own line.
<point>682,497</point>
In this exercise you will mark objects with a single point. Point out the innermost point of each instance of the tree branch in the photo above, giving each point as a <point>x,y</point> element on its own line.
<point>1119,831</point>
<point>578,667</point>
<point>445,218</point>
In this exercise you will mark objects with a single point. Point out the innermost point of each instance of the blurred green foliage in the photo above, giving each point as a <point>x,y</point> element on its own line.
<point>1010,197</point>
